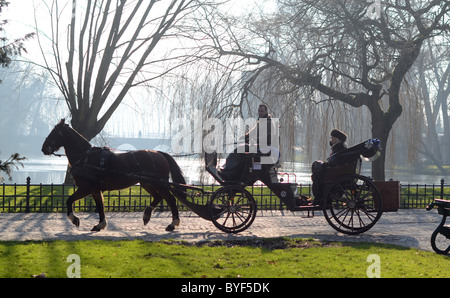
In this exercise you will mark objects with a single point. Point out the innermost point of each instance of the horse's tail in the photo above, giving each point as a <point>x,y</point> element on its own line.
<point>177,175</point>
<point>175,171</point>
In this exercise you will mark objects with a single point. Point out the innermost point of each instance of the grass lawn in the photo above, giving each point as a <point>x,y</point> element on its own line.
<point>270,258</point>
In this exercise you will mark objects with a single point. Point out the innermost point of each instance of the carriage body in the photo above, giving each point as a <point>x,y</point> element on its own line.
<point>351,203</point>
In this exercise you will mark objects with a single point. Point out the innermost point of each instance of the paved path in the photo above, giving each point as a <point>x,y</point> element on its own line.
<point>410,228</point>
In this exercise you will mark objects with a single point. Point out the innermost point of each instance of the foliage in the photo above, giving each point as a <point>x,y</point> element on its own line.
<point>11,163</point>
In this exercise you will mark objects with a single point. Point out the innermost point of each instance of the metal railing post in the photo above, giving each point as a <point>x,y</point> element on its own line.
<point>27,207</point>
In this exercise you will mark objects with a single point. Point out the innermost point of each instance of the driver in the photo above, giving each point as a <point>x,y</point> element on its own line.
<point>232,169</point>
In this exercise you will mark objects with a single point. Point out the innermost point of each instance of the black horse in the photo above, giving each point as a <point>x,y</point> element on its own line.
<point>96,169</point>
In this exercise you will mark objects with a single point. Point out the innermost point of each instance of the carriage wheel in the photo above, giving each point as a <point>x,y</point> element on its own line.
<point>440,240</point>
<point>232,209</point>
<point>353,204</point>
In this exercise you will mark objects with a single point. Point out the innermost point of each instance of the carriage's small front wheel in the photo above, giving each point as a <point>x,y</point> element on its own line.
<point>353,204</point>
<point>232,209</point>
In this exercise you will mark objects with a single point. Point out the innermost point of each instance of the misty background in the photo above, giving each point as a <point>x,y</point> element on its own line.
<point>417,150</point>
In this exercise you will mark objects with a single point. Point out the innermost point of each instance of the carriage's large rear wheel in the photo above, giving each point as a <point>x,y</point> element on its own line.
<point>232,209</point>
<point>353,204</point>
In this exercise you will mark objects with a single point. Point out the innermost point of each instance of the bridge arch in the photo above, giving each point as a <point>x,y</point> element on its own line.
<point>126,147</point>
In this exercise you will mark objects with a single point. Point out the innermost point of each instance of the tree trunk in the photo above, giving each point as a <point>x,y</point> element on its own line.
<point>381,132</point>
<point>88,129</point>
<point>382,123</point>
<point>446,122</point>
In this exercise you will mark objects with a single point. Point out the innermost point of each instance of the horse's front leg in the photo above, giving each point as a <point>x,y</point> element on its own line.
<point>78,194</point>
<point>98,198</point>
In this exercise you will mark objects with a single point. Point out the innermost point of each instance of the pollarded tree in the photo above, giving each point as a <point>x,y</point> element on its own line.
<point>110,47</point>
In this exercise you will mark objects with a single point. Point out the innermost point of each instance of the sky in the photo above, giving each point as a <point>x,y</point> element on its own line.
<point>21,20</point>
<point>20,13</point>
<point>20,17</point>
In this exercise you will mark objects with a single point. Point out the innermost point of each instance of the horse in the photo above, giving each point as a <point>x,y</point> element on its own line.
<point>97,169</point>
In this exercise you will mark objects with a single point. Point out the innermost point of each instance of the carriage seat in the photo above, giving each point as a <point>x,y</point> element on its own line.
<point>250,169</point>
<point>333,172</point>
<point>348,161</point>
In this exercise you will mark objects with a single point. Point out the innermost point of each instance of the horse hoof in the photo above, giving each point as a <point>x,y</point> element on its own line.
<point>99,227</point>
<point>171,227</point>
<point>147,215</point>
<point>146,220</point>
<point>75,220</point>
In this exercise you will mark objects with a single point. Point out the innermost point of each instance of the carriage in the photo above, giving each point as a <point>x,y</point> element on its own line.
<point>350,202</point>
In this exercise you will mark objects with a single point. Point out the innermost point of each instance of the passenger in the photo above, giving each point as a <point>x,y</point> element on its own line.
<point>337,143</point>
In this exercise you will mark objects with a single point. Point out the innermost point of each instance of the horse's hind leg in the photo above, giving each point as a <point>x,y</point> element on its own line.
<point>157,198</point>
<point>171,201</point>
<point>98,198</point>
<point>159,195</point>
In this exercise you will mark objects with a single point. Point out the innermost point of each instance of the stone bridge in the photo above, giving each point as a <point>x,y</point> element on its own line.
<point>31,145</point>
<point>139,143</point>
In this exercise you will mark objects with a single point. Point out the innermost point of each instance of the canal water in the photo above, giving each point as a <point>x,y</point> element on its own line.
<point>52,169</point>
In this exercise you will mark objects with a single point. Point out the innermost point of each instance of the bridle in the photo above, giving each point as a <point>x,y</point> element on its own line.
<point>51,143</point>
<point>57,154</point>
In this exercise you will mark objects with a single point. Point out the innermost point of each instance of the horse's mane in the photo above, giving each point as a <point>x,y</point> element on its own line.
<point>74,132</point>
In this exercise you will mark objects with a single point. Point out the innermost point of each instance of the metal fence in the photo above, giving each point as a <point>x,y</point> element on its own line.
<point>52,197</point>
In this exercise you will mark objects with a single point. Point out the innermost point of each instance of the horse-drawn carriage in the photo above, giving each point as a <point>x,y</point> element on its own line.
<point>351,203</point>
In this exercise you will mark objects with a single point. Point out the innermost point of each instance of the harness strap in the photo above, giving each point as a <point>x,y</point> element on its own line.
<point>139,164</point>
<point>153,162</point>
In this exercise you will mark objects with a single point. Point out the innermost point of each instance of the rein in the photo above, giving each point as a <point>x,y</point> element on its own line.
<point>179,155</point>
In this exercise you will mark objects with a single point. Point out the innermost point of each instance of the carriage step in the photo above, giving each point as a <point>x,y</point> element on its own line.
<point>307,208</point>
<point>310,209</point>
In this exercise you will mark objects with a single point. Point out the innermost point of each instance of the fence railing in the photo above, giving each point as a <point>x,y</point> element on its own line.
<point>52,197</point>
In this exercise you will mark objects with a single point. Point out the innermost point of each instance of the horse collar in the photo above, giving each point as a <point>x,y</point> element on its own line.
<point>83,160</point>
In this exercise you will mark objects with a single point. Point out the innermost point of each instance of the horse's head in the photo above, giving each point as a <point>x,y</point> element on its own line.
<point>55,139</point>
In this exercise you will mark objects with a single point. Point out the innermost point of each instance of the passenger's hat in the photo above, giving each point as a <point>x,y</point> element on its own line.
<point>339,134</point>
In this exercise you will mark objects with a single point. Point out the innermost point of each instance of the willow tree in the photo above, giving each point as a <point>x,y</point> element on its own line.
<point>433,76</point>
<point>100,49</point>
<point>355,52</point>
